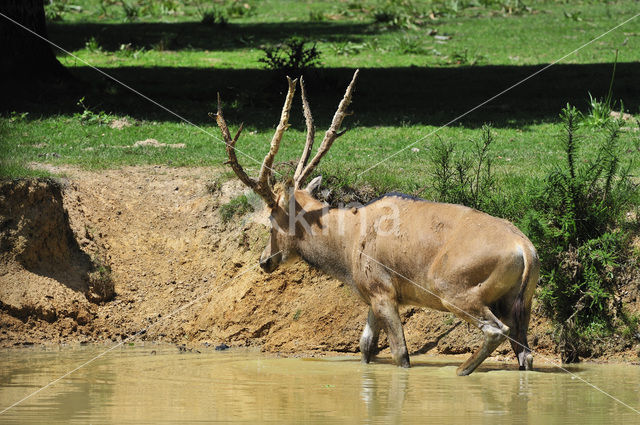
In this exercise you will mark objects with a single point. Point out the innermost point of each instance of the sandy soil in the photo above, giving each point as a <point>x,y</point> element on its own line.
<point>181,275</point>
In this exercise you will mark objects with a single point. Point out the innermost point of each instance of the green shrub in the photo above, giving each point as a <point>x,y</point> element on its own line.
<point>54,11</point>
<point>131,11</point>
<point>214,16</point>
<point>575,217</point>
<point>587,197</point>
<point>291,55</point>
<point>465,179</point>
<point>576,224</point>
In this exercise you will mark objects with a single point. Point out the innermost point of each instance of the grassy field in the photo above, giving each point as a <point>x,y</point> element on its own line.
<point>432,64</point>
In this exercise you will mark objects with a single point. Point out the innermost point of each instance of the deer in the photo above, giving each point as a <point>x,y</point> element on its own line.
<point>398,249</point>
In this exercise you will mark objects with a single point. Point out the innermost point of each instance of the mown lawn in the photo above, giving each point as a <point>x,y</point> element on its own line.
<point>415,77</point>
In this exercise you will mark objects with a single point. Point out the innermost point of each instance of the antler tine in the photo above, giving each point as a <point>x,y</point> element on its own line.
<point>265,170</point>
<point>332,133</point>
<point>230,147</point>
<point>311,134</point>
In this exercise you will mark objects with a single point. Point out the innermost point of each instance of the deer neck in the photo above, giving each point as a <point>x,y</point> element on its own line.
<point>328,240</point>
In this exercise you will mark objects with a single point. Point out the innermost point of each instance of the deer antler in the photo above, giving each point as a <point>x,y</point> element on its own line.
<point>265,171</point>
<point>311,133</point>
<point>260,186</point>
<point>230,146</point>
<point>303,169</point>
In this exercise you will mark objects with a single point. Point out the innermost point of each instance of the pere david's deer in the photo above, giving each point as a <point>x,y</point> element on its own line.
<point>399,250</point>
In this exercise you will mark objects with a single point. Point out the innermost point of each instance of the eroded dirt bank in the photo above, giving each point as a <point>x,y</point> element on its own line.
<point>177,270</point>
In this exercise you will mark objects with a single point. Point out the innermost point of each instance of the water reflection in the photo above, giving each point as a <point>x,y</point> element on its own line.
<point>130,385</point>
<point>384,399</point>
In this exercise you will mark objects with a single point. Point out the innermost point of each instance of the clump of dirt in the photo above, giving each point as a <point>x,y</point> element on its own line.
<point>182,274</point>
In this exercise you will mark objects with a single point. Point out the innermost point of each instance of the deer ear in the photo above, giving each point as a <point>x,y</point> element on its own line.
<point>314,184</point>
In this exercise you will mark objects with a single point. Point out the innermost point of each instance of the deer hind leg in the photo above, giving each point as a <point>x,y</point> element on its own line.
<point>369,338</point>
<point>495,332</point>
<point>519,342</point>
<point>523,352</point>
<point>386,311</point>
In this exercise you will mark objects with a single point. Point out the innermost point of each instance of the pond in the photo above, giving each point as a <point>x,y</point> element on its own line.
<point>160,384</point>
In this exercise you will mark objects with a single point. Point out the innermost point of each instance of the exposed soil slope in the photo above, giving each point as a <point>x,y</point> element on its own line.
<point>179,272</point>
<point>43,272</point>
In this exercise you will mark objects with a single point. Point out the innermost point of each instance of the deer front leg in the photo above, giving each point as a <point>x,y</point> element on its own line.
<point>386,311</point>
<point>495,332</point>
<point>369,338</point>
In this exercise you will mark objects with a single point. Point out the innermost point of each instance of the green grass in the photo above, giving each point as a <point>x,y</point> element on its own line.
<point>541,36</point>
<point>518,154</point>
<point>237,206</point>
<point>411,84</point>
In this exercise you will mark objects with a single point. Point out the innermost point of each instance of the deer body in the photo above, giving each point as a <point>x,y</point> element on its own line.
<point>402,250</point>
<point>441,256</point>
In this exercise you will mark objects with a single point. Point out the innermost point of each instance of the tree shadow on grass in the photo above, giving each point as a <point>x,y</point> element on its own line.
<point>196,36</point>
<point>384,96</point>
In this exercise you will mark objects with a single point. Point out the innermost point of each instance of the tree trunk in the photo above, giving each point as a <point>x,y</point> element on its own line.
<point>24,55</point>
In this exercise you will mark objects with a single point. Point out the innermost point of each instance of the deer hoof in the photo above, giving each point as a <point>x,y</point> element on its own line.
<point>528,362</point>
<point>463,372</point>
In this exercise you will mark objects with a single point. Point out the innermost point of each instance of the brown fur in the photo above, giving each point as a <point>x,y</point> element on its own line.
<point>442,256</point>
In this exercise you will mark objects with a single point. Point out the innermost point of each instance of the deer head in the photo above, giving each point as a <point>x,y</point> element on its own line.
<point>284,204</point>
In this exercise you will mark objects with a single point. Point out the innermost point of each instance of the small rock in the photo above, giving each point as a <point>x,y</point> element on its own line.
<point>222,347</point>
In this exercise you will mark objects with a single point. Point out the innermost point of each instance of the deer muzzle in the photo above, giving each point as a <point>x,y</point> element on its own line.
<point>270,263</point>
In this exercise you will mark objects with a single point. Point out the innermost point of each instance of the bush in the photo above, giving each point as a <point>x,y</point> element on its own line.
<point>575,217</point>
<point>214,16</point>
<point>586,198</point>
<point>54,11</point>
<point>291,55</point>
<point>465,179</point>
<point>131,11</point>
<point>576,223</point>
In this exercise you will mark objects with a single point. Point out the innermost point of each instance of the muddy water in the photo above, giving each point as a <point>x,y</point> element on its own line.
<point>154,384</point>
